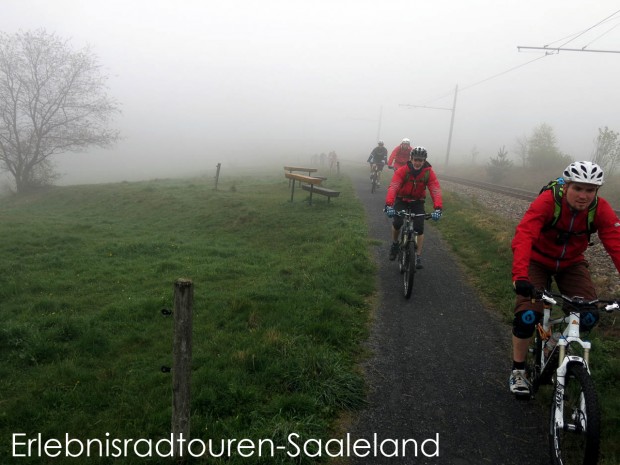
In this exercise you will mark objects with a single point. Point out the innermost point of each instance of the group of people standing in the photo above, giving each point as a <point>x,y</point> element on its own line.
<point>549,241</point>
<point>331,157</point>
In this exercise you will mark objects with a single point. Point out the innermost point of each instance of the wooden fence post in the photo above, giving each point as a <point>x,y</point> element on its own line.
<point>217,175</point>
<point>182,361</point>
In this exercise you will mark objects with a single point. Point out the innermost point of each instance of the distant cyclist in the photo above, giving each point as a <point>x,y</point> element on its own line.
<point>378,158</point>
<point>400,155</point>
<point>408,189</point>
<point>550,241</point>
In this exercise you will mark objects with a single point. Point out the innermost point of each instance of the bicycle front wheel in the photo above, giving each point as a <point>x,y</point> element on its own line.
<point>402,245</point>
<point>408,270</point>
<point>577,442</point>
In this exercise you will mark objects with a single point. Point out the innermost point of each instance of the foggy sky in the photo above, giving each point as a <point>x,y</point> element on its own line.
<point>239,81</point>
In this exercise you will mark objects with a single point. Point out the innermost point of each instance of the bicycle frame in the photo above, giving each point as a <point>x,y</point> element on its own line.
<point>408,233</point>
<point>570,335</point>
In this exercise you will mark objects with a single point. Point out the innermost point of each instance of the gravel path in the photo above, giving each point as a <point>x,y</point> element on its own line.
<point>439,367</point>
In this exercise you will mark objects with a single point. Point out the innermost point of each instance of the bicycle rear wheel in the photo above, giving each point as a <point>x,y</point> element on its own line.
<point>374,182</point>
<point>532,363</point>
<point>577,443</point>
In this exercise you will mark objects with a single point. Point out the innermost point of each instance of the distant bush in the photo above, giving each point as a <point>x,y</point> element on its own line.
<point>498,167</point>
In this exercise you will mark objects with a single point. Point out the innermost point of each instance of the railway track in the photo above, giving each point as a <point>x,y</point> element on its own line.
<point>505,190</point>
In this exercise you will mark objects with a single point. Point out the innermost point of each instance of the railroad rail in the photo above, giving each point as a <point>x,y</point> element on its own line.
<point>509,191</point>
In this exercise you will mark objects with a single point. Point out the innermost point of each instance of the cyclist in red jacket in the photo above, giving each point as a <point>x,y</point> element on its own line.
<point>400,155</point>
<point>408,188</point>
<point>543,248</point>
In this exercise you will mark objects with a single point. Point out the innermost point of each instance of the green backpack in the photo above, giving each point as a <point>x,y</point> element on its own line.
<point>557,186</point>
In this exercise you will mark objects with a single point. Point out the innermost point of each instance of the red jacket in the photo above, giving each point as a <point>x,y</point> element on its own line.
<point>409,187</point>
<point>532,241</point>
<point>399,156</point>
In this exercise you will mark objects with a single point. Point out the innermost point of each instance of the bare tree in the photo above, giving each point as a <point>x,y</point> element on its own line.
<point>52,100</point>
<point>607,150</point>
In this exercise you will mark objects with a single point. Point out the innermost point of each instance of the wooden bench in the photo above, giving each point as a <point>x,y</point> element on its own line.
<point>292,177</point>
<point>304,169</point>
<point>320,190</point>
<point>311,184</point>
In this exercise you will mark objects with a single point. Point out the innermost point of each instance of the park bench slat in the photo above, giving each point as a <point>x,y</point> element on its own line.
<point>329,193</point>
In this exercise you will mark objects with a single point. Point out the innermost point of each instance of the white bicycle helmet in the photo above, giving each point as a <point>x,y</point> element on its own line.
<point>406,141</point>
<point>584,171</point>
<point>419,152</point>
<point>380,142</point>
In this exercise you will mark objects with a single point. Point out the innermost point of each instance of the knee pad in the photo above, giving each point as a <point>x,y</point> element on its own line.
<point>524,323</point>
<point>588,320</point>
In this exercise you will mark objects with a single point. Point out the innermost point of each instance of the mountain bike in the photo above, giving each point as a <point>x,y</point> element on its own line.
<point>560,357</point>
<point>374,176</point>
<point>406,256</point>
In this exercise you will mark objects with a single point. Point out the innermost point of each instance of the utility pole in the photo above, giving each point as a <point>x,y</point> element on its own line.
<point>373,120</point>
<point>453,110</point>
<point>456,91</point>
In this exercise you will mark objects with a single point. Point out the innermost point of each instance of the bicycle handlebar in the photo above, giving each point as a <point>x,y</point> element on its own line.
<point>427,216</point>
<point>578,303</point>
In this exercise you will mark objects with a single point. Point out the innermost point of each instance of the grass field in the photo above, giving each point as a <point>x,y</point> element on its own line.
<point>281,305</point>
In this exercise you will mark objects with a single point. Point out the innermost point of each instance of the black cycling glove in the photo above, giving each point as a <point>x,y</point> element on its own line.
<point>524,288</point>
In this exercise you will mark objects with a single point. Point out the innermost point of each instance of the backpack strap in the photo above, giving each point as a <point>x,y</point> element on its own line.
<point>425,178</point>
<point>558,193</point>
<point>591,214</point>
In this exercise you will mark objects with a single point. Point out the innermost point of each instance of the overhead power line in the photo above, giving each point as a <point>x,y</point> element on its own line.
<point>590,28</point>
<point>503,72</point>
<point>603,34</point>
<point>582,49</point>
<point>547,53</point>
<point>546,48</point>
<point>562,49</point>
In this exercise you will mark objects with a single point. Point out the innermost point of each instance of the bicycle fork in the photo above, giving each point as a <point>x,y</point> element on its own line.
<point>571,334</point>
<point>409,236</point>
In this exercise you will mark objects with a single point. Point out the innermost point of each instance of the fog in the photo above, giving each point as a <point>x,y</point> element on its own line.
<point>242,82</point>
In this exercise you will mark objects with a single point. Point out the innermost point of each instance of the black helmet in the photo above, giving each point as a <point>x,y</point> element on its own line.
<point>419,152</point>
